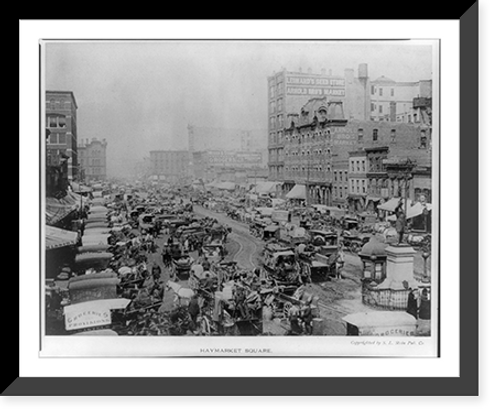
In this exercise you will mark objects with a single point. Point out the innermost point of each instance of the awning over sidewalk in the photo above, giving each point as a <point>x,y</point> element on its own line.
<point>58,238</point>
<point>56,210</point>
<point>298,192</point>
<point>417,209</point>
<point>392,204</point>
<point>266,187</point>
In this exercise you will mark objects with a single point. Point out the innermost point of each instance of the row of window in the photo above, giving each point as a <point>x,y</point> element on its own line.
<point>58,105</point>
<point>279,102</point>
<point>277,122</point>
<point>357,165</point>
<point>327,135</point>
<point>380,91</point>
<point>56,121</point>
<point>357,186</point>
<point>338,176</point>
<point>57,138</point>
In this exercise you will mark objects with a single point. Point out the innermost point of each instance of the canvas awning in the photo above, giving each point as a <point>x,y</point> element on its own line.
<point>58,238</point>
<point>266,187</point>
<point>392,204</point>
<point>80,188</point>
<point>298,192</point>
<point>417,209</point>
<point>56,210</point>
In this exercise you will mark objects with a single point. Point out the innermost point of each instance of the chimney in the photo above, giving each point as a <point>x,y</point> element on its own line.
<point>363,71</point>
<point>336,110</point>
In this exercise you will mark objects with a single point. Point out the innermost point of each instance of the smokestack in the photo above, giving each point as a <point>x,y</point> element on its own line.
<point>363,71</point>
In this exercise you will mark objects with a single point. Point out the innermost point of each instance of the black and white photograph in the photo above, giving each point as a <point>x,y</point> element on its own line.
<point>240,197</point>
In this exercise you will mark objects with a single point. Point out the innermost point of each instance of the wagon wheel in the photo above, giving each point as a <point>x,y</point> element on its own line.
<point>286,308</point>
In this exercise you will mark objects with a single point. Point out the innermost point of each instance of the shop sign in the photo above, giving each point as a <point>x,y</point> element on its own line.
<point>86,316</point>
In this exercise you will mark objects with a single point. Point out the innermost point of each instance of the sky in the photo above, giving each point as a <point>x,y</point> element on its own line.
<point>140,96</point>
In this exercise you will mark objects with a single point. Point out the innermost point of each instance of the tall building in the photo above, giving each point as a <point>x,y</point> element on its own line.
<point>60,124</point>
<point>289,90</point>
<point>172,165</point>
<point>92,157</point>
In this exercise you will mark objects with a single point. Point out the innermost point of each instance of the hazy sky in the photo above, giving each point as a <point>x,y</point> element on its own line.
<point>141,95</point>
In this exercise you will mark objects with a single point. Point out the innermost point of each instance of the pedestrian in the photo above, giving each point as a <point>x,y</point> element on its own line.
<point>156,271</point>
<point>194,309</point>
<point>307,316</point>
<point>339,262</point>
<point>412,304</point>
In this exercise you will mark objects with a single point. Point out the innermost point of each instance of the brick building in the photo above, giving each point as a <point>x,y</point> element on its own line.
<point>92,158</point>
<point>173,165</point>
<point>319,143</point>
<point>287,92</point>
<point>61,130</point>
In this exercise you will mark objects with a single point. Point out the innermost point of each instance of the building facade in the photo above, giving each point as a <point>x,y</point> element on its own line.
<point>289,90</point>
<point>172,165</point>
<point>321,147</point>
<point>92,158</point>
<point>61,131</point>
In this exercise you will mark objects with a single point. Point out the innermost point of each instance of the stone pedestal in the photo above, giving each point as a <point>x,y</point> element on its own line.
<point>400,263</point>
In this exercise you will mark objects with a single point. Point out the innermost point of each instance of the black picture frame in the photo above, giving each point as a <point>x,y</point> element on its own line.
<point>465,385</point>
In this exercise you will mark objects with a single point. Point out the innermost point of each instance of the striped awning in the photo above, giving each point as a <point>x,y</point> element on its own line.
<point>58,238</point>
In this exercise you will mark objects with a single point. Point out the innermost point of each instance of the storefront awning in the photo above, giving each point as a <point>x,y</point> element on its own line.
<point>58,238</point>
<point>298,192</point>
<point>56,210</point>
<point>392,204</point>
<point>80,188</point>
<point>417,209</point>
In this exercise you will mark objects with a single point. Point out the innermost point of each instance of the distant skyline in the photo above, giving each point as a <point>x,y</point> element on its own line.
<point>141,95</point>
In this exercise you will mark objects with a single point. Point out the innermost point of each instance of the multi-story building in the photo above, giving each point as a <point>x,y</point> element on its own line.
<point>357,179</point>
<point>320,142</point>
<point>287,92</point>
<point>173,165</point>
<point>376,176</point>
<point>61,128</point>
<point>92,158</point>
<point>394,101</point>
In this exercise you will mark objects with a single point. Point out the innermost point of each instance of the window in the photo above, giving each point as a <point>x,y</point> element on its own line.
<point>375,134</point>
<point>360,134</point>
<point>373,89</point>
<point>380,108</point>
<point>373,106</point>
<point>52,121</point>
<point>393,135</point>
<point>335,176</point>
<point>392,92</point>
<point>380,91</point>
<point>61,138</point>
<point>357,166</point>
<point>363,167</point>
